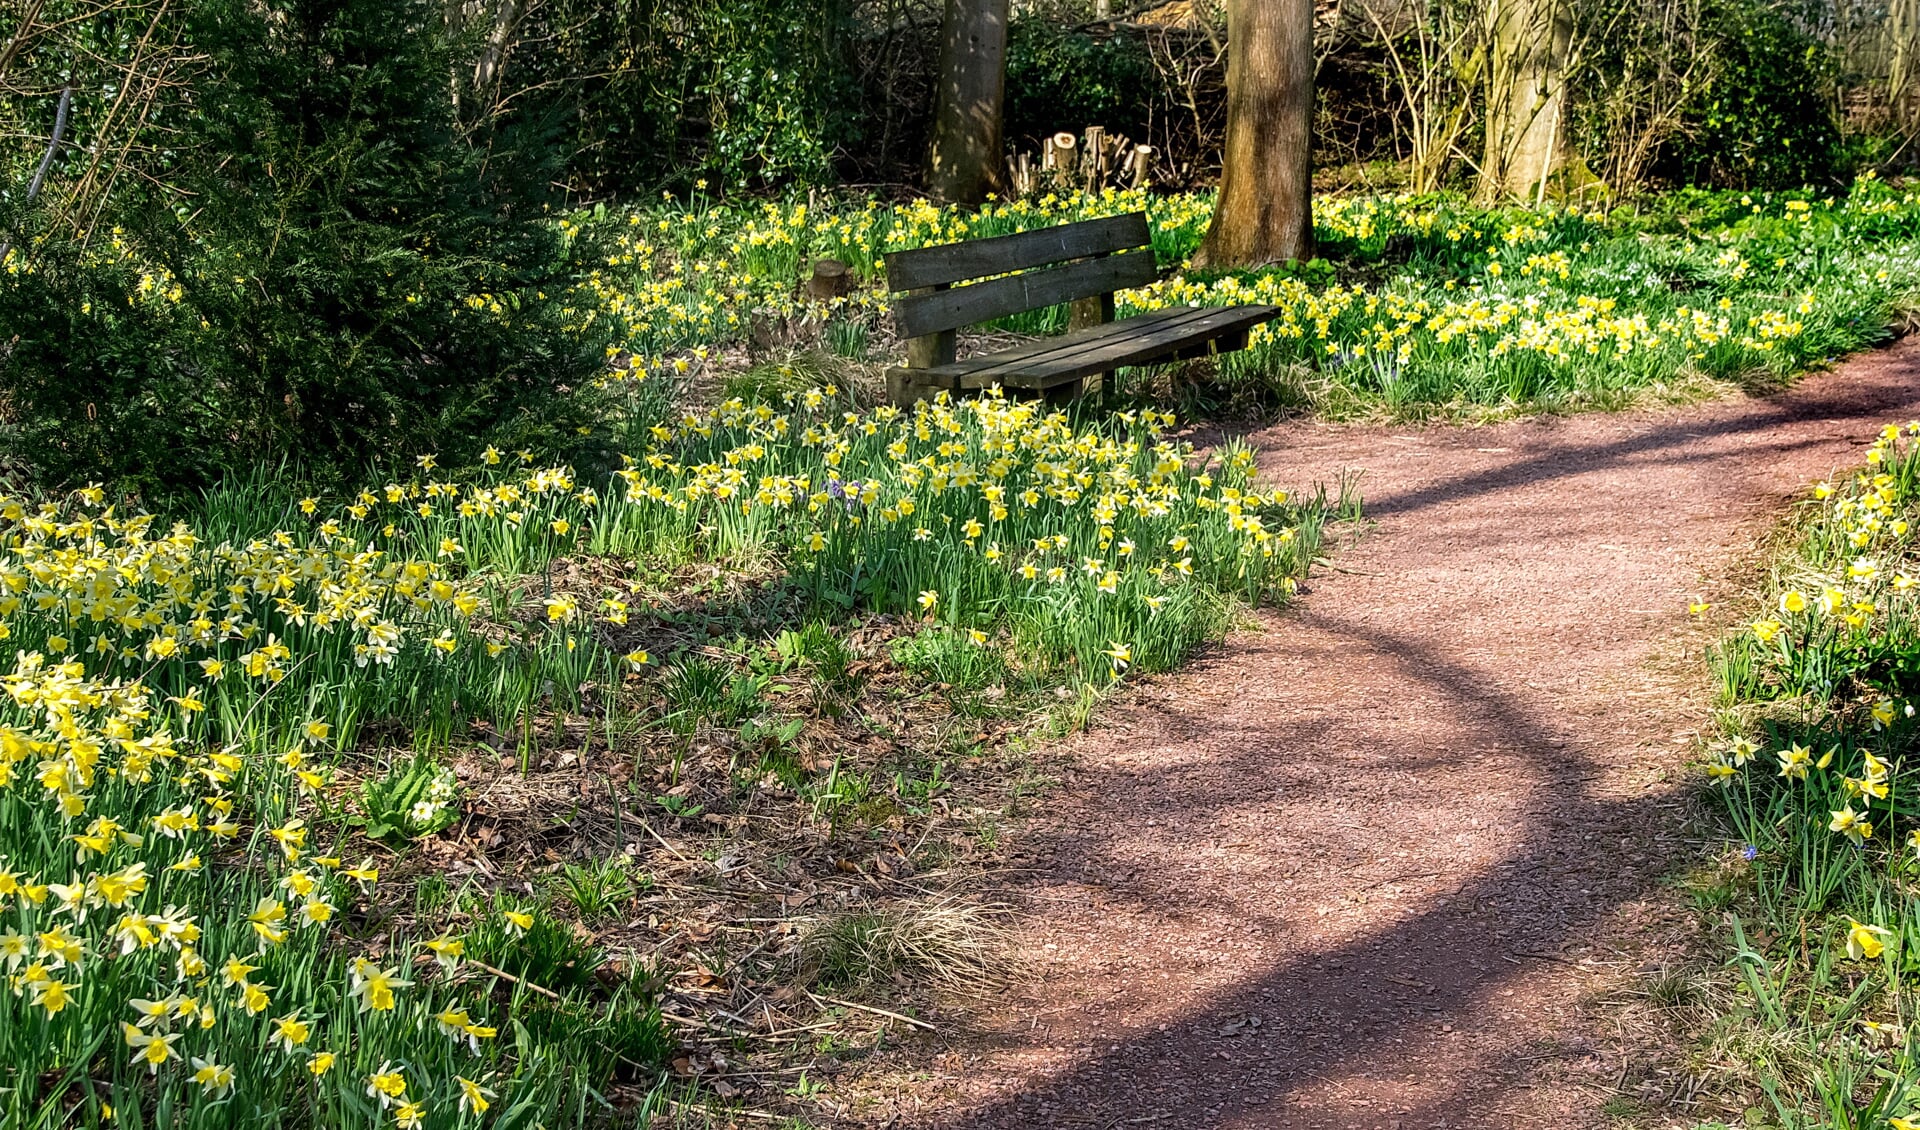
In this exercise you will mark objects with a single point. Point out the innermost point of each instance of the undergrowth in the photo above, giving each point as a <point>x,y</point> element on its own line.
<point>475,791</point>
<point>1811,1022</point>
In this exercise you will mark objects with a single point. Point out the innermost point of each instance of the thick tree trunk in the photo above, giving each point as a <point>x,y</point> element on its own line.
<point>967,160</point>
<point>1526,97</point>
<point>1265,209</point>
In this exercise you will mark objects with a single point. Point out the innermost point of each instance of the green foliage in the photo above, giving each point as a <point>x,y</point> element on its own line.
<point>698,689</point>
<point>942,655</point>
<point>1766,116</point>
<point>325,269</point>
<point>1059,78</point>
<point>829,663</point>
<point>413,799</point>
<point>596,889</point>
<point>547,952</point>
<point>741,95</point>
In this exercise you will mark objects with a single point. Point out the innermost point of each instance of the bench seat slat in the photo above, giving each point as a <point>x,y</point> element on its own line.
<point>1141,340</point>
<point>1155,343</point>
<point>996,255</point>
<point>1013,294</point>
<point>1040,352</point>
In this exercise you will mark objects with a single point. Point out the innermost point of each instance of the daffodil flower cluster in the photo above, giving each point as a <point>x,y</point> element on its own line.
<point>171,880</point>
<point>977,512</point>
<point>1815,776</point>
<point>1850,608</point>
<point>164,891</point>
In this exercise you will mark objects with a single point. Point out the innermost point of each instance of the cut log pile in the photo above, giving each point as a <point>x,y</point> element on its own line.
<point>1091,161</point>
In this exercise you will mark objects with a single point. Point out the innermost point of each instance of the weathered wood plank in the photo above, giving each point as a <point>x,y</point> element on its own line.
<point>1040,350</point>
<point>996,255</point>
<point>918,315</point>
<point>1160,336</point>
<point>1159,343</point>
<point>932,350</point>
<point>1187,324</point>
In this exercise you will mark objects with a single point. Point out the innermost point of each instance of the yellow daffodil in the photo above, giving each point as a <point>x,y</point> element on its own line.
<point>387,1085</point>
<point>474,1099</point>
<point>1853,825</point>
<point>1866,942</point>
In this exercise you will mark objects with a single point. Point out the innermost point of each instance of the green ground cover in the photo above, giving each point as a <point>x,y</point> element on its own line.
<point>1813,770</point>
<point>227,744</point>
<point>1418,305</point>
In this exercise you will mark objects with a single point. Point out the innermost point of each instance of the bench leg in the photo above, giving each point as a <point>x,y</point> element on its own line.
<point>1061,395</point>
<point>1094,389</point>
<point>1088,389</point>
<point>903,390</point>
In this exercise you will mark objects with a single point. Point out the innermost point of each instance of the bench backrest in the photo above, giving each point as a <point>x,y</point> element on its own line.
<point>1075,261</point>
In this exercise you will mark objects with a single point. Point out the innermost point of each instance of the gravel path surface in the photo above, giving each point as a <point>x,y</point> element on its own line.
<point>1363,868</point>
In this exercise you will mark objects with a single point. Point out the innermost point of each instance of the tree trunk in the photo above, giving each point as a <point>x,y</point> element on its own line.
<point>1903,72</point>
<point>967,160</point>
<point>1265,209</point>
<point>1526,97</point>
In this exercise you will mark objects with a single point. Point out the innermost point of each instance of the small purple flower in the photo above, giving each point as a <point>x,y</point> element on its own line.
<point>847,493</point>
<point>1749,852</point>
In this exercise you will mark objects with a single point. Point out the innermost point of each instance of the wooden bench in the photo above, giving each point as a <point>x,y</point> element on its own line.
<point>1083,264</point>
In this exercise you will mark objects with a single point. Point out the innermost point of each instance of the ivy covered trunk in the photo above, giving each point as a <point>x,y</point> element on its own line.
<point>1526,97</point>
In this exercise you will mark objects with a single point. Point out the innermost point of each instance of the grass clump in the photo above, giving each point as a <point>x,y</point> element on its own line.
<point>1815,772</point>
<point>947,942</point>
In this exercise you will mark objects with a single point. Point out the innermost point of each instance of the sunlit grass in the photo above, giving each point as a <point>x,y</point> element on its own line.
<point>1814,771</point>
<point>196,934</point>
<point>1421,303</point>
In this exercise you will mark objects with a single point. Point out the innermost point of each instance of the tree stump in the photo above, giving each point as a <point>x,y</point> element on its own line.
<point>830,281</point>
<point>1061,150</point>
<point>1142,165</point>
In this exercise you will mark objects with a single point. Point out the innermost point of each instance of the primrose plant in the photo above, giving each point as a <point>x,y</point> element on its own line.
<point>414,799</point>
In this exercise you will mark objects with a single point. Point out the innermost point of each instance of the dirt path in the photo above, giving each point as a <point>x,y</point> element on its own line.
<point>1357,870</point>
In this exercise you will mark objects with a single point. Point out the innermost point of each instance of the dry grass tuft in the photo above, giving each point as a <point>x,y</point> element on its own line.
<point>947,942</point>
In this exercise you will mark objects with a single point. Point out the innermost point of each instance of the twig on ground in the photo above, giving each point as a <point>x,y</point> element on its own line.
<point>541,989</point>
<point>663,843</point>
<point>876,1011</point>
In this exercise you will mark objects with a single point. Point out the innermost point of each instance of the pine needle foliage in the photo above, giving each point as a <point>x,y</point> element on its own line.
<point>324,268</point>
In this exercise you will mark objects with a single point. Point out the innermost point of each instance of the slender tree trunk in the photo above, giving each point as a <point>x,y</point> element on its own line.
<point>967,160</point>
<point>1265,210</point>
<point>1526,97</point>
<point>486,70</point>
<point>1903,73</point>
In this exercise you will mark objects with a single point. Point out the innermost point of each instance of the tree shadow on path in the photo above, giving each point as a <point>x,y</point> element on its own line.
<point>1433,976</point>
<point>1427,1011</point>
<point>1847,405</point>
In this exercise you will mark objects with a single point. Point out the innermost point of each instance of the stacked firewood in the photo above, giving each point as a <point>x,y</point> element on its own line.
<point>1089,162</point>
